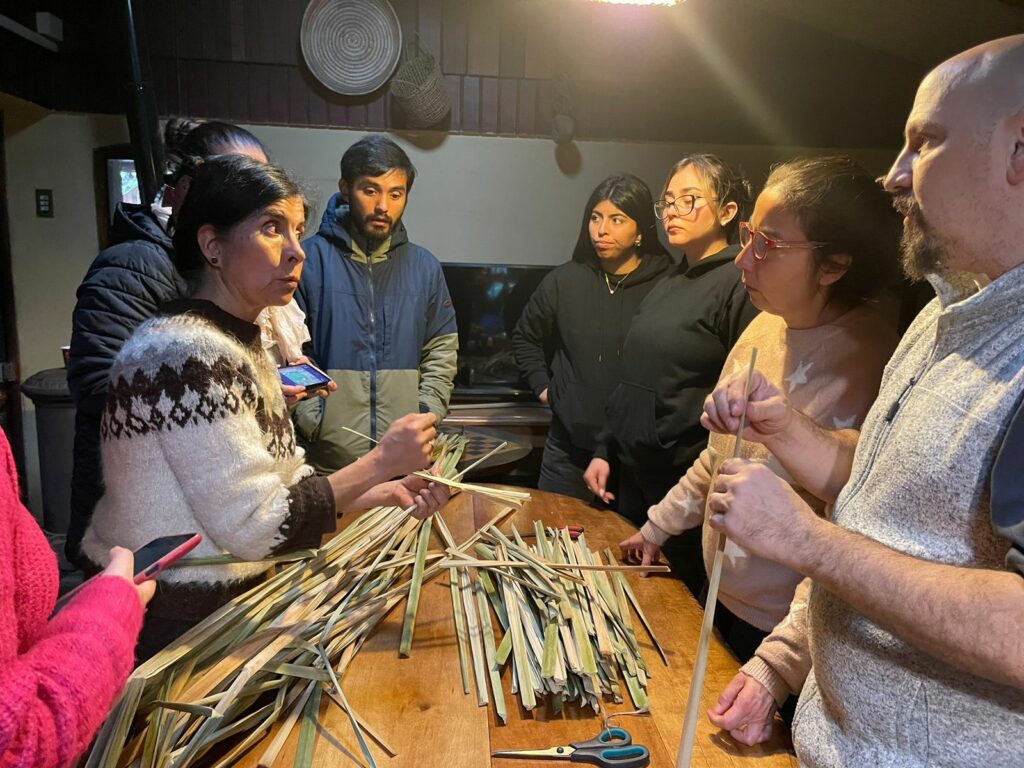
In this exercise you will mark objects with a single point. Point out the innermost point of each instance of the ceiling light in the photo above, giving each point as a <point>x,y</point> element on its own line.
<point>639,2</point>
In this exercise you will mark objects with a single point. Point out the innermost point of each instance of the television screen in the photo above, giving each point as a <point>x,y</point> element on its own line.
<point>122,183</point>
<point>488,300</point>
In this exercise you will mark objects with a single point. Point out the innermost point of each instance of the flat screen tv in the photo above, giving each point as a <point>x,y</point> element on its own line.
<point>488,300</point>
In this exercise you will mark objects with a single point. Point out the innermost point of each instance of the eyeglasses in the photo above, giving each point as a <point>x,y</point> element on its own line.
<point>763,244</point>
<point>683,204</point>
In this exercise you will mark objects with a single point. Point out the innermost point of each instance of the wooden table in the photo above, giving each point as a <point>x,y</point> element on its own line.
<point>418,706</point>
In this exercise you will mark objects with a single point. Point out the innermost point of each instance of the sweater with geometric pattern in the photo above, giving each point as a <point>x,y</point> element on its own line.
<point>196,436</point>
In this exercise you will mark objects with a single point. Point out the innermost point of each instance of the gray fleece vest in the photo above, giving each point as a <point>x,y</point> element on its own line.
<point>920,484</point>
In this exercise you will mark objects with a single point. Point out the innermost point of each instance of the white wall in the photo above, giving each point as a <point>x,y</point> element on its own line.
<point>50,256</point>
<point>476,199</point>
<point>512,200</point>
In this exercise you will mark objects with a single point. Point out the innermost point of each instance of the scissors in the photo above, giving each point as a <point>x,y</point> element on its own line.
<point>611,748</point>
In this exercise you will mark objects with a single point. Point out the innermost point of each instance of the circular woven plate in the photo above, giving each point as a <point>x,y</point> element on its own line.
<point>351,46</point>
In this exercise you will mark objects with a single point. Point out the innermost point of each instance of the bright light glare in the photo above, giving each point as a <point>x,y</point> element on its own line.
<point>639,2</point>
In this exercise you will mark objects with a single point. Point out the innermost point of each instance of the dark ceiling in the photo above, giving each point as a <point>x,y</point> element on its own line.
<point>801,72</point>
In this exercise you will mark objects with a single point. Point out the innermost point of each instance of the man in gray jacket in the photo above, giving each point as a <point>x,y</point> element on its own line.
<point>911,639</point>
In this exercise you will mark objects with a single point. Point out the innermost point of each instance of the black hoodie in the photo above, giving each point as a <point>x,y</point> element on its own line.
<point>671,360</point>
<point>574,318</point>
<point>125,285</point>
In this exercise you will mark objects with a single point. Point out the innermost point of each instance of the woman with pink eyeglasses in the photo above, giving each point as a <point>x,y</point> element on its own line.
<point>821,243</point>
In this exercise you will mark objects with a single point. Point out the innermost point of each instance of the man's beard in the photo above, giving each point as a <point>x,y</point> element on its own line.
<point>923,250</point>
<point>375,237</point>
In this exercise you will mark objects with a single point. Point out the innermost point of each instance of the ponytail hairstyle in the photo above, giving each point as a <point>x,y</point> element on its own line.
<point>837,202</point>
<point>187,141</point>
<point>724,184</point>
<point>226,190</point>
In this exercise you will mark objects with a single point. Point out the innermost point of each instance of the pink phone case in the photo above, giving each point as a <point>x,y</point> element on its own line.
<point>180,551</point>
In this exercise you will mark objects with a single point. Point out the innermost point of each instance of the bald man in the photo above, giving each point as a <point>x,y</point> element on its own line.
<point>906,641</point>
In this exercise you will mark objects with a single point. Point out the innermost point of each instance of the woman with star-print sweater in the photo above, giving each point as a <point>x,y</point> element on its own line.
<point>821,241</point>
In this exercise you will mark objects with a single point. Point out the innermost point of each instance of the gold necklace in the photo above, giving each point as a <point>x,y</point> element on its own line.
<point>612,290</point>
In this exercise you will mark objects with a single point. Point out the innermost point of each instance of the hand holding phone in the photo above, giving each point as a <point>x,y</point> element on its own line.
<point>150,560</point>
<point>154,557</point>
<point>305,375</point>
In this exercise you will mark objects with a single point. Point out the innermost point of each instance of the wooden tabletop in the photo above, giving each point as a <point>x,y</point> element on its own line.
<point>418,707</point>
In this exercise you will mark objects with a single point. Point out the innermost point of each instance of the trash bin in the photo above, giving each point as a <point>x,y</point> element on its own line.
<point>55,428</point>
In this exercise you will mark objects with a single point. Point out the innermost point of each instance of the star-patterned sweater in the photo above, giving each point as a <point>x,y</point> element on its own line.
<point>830,373</point>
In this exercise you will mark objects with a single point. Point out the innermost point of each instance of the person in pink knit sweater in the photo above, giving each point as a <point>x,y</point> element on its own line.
<point>60,675</point>
<point>821,243</point>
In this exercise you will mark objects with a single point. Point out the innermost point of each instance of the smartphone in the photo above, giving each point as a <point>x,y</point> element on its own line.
<point>149,560</point>
<point>304,375</point>
<point>160,553</point>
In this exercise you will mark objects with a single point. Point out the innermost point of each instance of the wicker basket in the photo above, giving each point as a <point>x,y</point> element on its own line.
<point>418,87</point>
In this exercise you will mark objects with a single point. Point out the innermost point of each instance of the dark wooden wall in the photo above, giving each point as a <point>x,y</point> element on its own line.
<point>718,71</point>
<point>630,73</point>
<point>240,60</point>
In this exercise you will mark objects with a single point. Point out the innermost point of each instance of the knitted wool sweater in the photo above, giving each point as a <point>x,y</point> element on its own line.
<point>831,374</point>
<point>197,437</point>
<point>921,484</point>
<point>58,677</point>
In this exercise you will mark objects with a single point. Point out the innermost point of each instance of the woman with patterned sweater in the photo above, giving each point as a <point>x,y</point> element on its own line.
<point>196,434</point>
<point>823,239</point>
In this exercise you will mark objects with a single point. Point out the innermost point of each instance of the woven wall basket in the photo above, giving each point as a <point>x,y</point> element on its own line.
<point>418,87</point>
<point>351,46</point>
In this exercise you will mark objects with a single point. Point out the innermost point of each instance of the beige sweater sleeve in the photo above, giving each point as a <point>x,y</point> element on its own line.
<point>683,506</point>
<point>783,660</point>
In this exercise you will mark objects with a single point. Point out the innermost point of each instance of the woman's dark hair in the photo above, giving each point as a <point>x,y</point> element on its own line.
<point>631,196</point>
<point>839,203</point>
<point>225,190</point>
<point>724,183</point>
<point>187,140</point>
<point>376,155</point>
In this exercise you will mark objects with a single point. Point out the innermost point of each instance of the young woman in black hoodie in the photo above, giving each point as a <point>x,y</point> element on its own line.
<point>569,338</point>
<point>675,350</point>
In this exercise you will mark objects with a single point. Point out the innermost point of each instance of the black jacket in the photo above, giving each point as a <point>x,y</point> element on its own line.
<point>124,286</point>
<point>671,360</point>
<point>583,326</point>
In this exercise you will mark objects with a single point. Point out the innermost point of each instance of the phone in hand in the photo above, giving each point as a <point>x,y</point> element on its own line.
<point>154,557</point>
<point>304,375</point>
<point>150,560</point>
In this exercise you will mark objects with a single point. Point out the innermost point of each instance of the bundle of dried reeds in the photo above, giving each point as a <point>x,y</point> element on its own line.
<point>268,656</point>
<point>565,618</point>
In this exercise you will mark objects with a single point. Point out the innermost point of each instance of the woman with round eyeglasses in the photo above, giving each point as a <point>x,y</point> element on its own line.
<point>821,243</point>
<point>578,319</point>
<point>675,348</point>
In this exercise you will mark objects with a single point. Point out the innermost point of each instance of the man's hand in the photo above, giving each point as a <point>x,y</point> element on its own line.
<point>636,550</point>
<point>406,445</point>
<point>543,396</point>
<point>122,565</point>
<point>425,497</point>
<point>768,411</point>
<point>759,511</point>
<point>596,478</point>
<point>745,709</point>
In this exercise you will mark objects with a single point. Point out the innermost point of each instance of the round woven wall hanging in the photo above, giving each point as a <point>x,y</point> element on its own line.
<point>351,46</point>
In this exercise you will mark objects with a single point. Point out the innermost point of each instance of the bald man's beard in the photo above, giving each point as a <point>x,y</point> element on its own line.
<point>924,251</point>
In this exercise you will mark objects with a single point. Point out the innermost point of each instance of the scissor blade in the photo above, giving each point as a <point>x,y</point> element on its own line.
<point>556,752</point>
